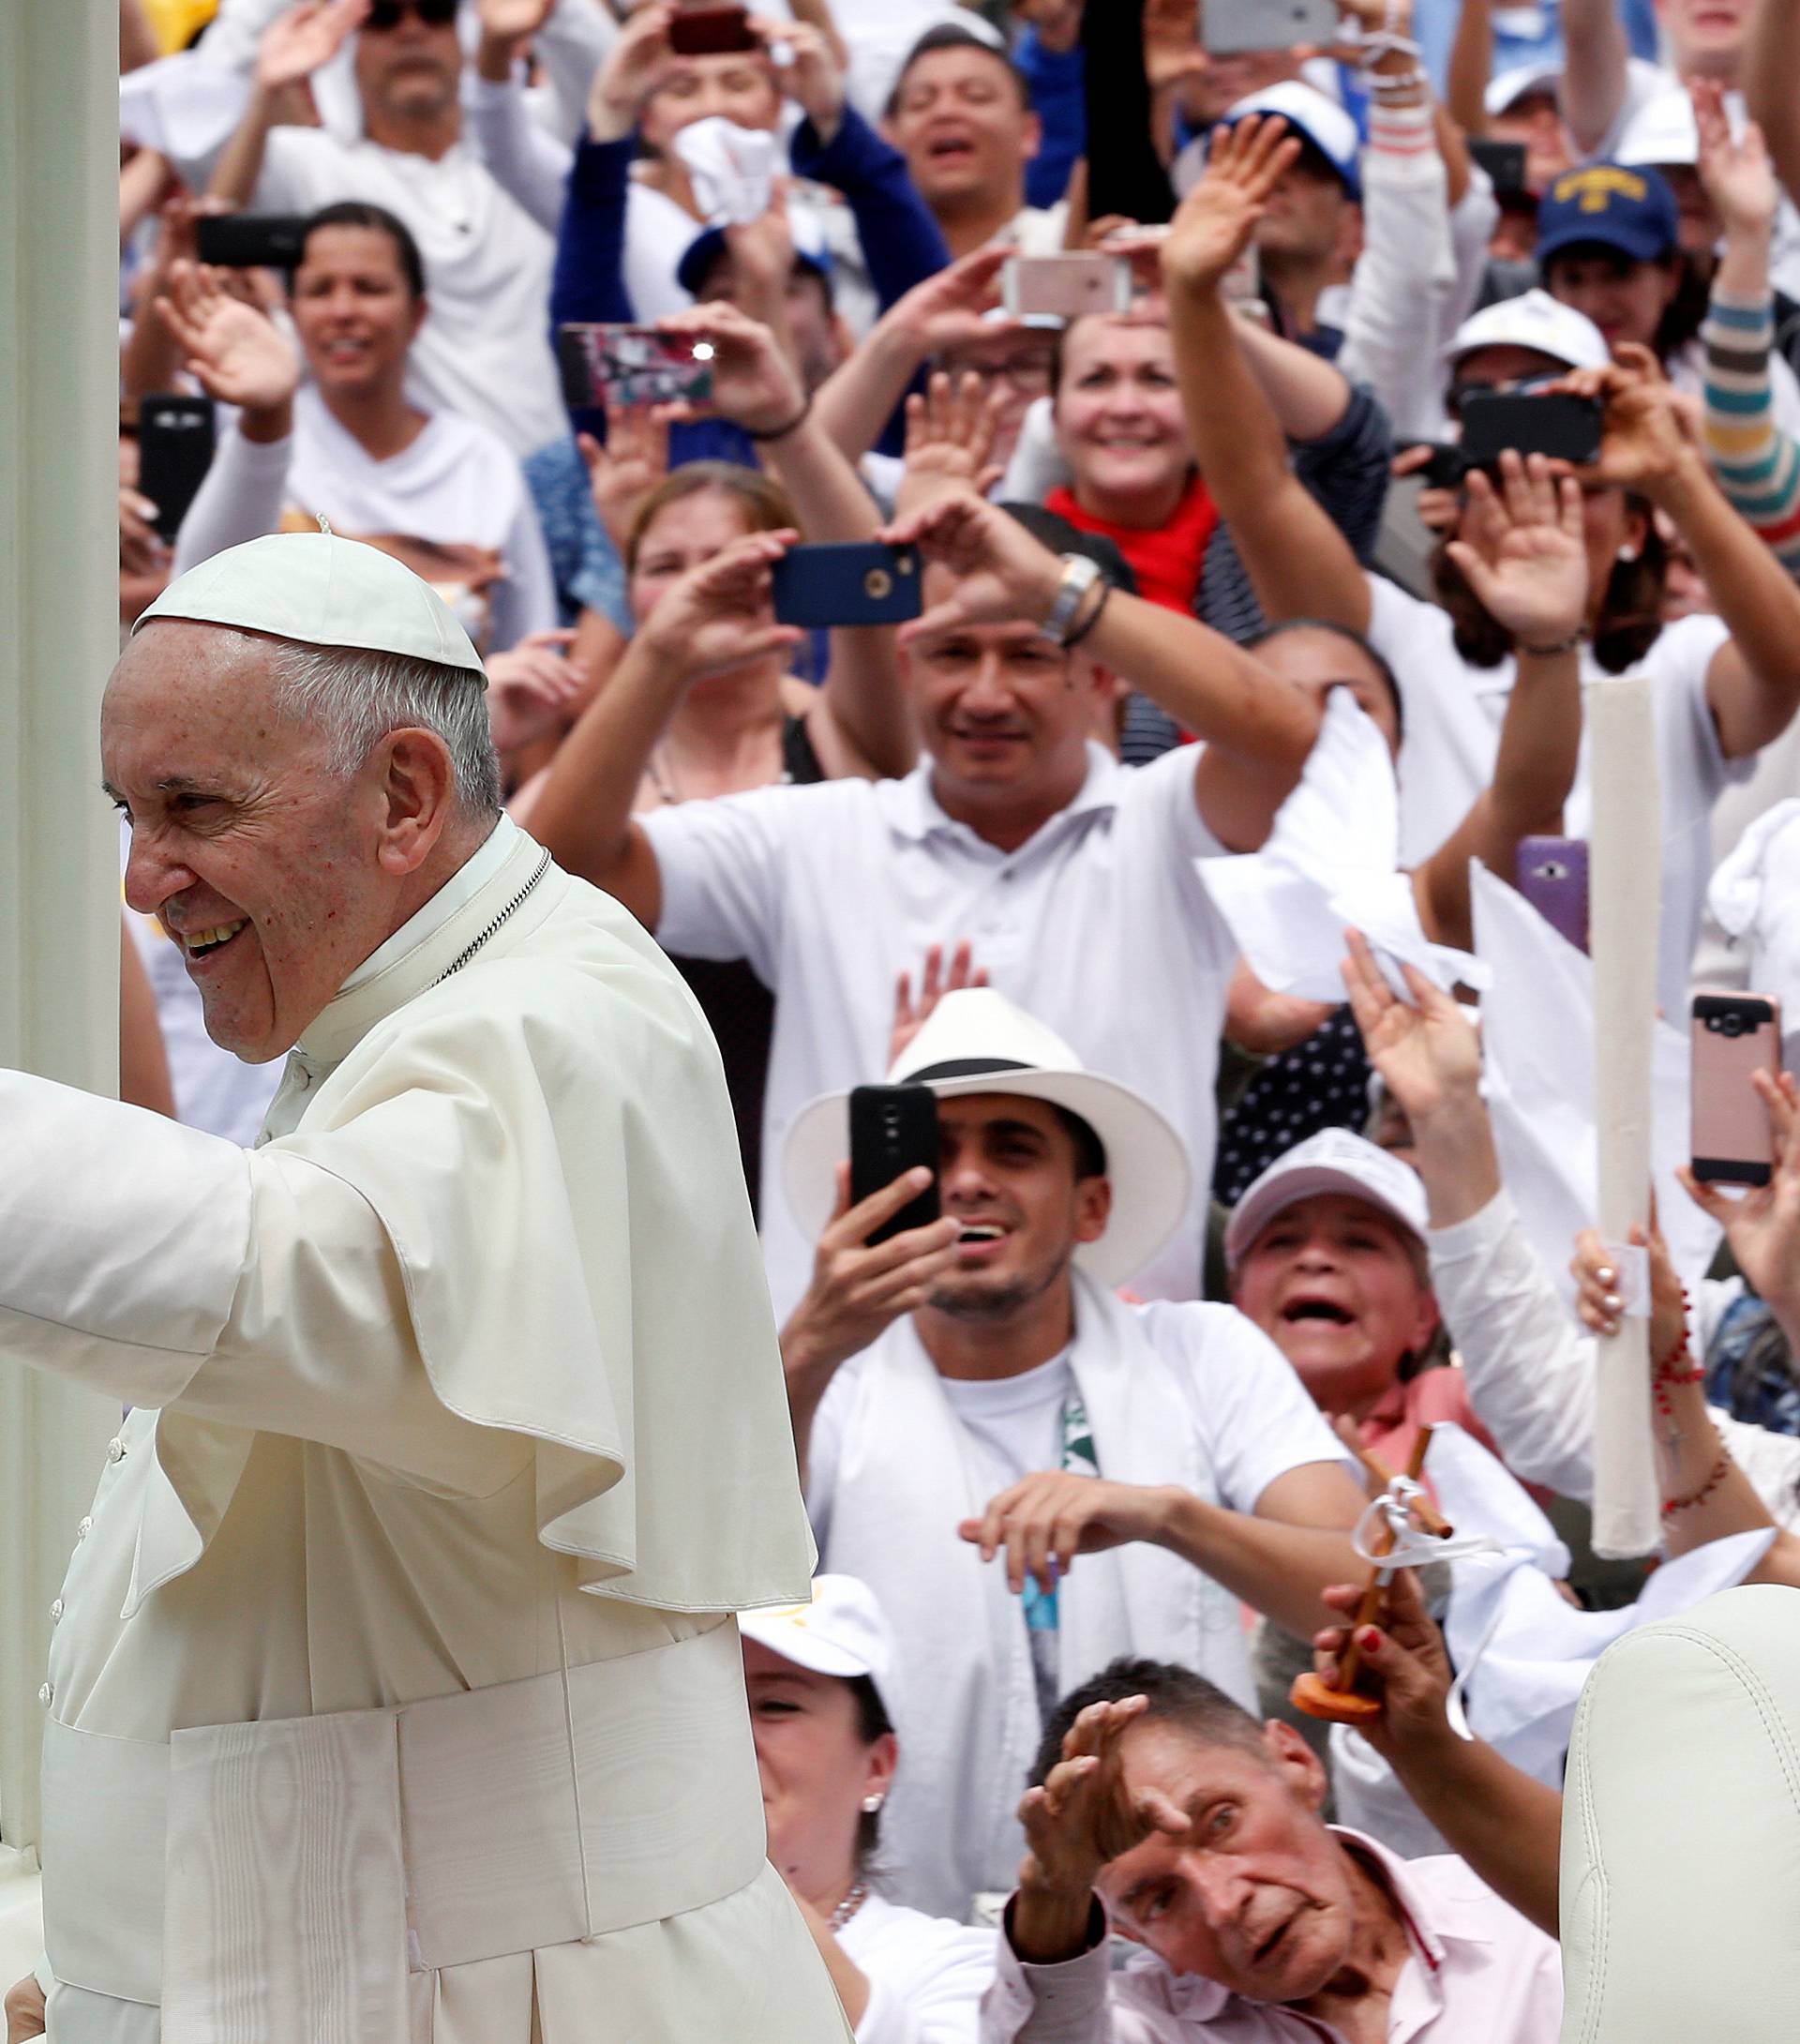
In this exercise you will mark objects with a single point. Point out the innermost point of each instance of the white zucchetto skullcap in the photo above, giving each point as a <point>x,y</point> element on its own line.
<point>321,591</point>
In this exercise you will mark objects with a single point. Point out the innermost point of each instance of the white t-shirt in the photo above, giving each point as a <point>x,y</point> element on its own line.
<point>1454,712</point>
<point>1100,926</point>
<point>484,351</point>
<point>458,485</point>
<point>926,1975</point>
<point>1253,1417</point>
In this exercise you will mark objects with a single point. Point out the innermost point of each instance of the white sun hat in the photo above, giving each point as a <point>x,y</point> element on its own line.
<point>1533,319</point>
<point>1504,91</point>
<point>976,1041</point>
<point>841,1631</point>
<point>1333,1161</point>
<point>321,591</point>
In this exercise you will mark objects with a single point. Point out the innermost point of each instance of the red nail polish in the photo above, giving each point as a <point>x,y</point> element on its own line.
<point>1369,1639</point>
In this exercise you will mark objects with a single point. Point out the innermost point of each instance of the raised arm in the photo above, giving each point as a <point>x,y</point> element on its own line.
<point>1758,464</point>
<point>294,47</point>
<point>1505,1825</point>
<point>527,160</point>
<point>1258,729</point>
<point>866,723</point>
<point>1299,563</point>
<point>707,622</point>
<point>858,397</point>
<point>1772,83</point>
<point>1465,89</point>
<point>1753,685</point>
<point>1596,52</point>
<point>1528,565</point>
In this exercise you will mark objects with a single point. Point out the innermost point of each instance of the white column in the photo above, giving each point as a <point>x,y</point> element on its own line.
<point>59,880</point>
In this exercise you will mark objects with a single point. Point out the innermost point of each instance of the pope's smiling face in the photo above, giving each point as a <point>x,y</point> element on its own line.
<point>265,862</point>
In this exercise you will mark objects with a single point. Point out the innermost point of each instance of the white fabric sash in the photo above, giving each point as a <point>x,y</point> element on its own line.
<point>280,1879</point>
<point>967,1720</point>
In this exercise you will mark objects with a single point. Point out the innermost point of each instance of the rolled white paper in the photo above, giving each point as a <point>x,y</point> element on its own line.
<point>1625,885</point>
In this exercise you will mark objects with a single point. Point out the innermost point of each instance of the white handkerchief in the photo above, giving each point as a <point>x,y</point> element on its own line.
<point>181,106</point>
<point>1329,865</point>
<point>1538,1060</point>
<point>733,169</point>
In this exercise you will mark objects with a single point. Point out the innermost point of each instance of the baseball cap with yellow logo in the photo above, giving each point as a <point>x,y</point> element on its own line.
<point>1609,205</point>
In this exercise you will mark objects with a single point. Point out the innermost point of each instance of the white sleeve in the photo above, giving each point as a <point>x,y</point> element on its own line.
<point>525,599</point>
<point>1256,1419</point>
<point>1529,1369</point>
<point>240,497</point>
<point>568,49</point>
<point>528,163</point>
<point>722,864</point>
<point>1405,276</point>
<point>164,1267</point>
<point>1078,2001</point>
<point>940,2005</point>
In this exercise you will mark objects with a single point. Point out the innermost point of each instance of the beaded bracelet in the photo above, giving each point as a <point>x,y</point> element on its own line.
<point>1672,1505</point>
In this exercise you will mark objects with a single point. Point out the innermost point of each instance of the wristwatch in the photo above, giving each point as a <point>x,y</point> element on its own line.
<point>1079,575</point>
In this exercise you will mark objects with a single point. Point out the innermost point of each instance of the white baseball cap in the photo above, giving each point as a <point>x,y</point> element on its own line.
<point>1662,131</point>
<point>321,591</point>
<point>1333,1161</point>
<point>1533,319</point>
<point>1505,91</point>
<point>976,1041</point>
<point>1314,118</point>
<point>842,1632</point>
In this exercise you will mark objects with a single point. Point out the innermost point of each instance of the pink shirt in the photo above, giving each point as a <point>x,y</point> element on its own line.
<point>1477,1973</point>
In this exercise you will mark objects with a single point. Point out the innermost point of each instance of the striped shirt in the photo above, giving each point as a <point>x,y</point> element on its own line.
<point>1757,463</point>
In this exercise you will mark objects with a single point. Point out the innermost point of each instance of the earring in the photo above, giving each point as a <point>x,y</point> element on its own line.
<point>870,1805</point>
<point>1628,553</point>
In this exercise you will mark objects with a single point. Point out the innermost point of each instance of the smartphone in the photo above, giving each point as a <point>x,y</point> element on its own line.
<point>866,582</point>
<point>1733,1035</point>
<point>1066,287</point>
<point>1503,161</point>
<point>1551,874</point>
<point>1231,26</point>
<point>176,440</point>
<point>711,32</point>
<point>893,1127</point>
<point>251,241</point>
<point>631,365</point>
<point>1446,467</point>
<point>1530,422</point>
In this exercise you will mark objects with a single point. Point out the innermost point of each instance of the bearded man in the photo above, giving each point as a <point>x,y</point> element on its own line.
<point>393,1693</point>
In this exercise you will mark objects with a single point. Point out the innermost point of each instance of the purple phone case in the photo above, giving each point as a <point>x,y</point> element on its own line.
<point>1553,877</point>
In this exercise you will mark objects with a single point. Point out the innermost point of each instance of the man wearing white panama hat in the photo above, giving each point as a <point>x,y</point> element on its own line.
<point>394,1691</point>
<point>975,1387</point>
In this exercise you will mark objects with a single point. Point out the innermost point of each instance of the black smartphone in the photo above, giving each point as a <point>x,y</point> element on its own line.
<point>1503,161</point>
<point>1530,422</point>
<point>1446,467</point>
<point>865,582</point>
<point>251,241</point>
<point>711,32</point>
<point>175,439</point>
<point>893,1127</point>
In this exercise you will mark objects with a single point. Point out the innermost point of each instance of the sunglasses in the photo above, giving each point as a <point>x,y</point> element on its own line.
<point>386,14</point>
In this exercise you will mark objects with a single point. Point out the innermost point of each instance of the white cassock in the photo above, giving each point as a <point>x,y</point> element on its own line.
<point>394,1694</point>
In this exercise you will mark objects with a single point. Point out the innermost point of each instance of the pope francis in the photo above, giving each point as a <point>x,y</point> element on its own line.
<point>394,1693</point>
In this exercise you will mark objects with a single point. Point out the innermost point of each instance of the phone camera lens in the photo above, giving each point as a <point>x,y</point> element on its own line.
<point>1733,1025</point>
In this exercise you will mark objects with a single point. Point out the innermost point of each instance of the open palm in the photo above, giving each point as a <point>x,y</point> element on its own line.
<point>1523,552</point>
<point>297,43</point>
<point>509,21</point>
<point>236,352</point>
<point>1424,1049</point>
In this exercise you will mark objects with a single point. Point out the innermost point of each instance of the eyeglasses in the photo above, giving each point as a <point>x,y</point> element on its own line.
<point>1024,372</point>
<point>386,14</point>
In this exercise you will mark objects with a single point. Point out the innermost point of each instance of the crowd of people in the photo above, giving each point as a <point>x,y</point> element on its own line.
<point>1180,848</point>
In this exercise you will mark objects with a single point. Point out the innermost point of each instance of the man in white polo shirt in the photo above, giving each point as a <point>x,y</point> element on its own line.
<point>1075,879</point>
<point>974,1408</point>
